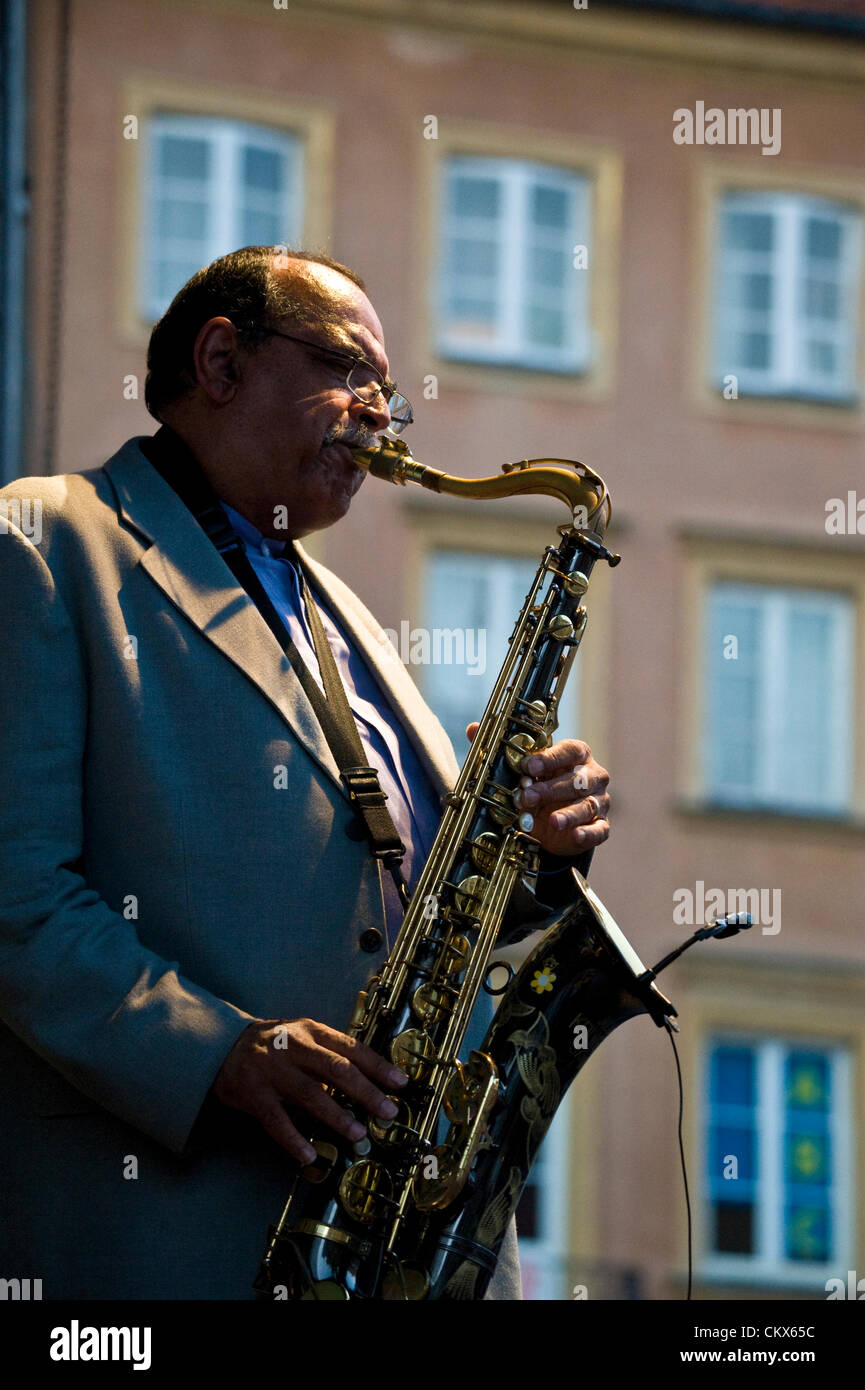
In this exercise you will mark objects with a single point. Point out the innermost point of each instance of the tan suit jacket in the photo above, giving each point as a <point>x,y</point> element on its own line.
<point>159,886</point>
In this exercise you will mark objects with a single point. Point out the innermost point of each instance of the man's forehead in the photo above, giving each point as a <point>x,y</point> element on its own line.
<point>354,318</point>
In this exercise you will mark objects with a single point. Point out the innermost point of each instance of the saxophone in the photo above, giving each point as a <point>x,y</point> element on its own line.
<point>419,1207</point>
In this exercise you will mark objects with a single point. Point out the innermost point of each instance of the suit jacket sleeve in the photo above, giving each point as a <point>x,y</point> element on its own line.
<point>76,984</point>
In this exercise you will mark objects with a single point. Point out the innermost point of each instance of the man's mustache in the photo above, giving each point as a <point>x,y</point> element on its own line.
<point>353,436</point>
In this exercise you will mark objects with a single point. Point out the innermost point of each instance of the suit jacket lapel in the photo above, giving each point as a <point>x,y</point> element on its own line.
<point>427,737</point>
<point>194,577</point>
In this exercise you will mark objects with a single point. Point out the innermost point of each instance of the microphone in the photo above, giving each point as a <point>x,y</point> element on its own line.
<point>725,926</point>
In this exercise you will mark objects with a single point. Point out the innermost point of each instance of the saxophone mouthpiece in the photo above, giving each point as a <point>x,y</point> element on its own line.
<point>385,459</point>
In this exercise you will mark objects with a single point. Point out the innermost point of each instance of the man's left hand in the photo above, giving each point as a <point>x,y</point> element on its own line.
<point>567,789</point>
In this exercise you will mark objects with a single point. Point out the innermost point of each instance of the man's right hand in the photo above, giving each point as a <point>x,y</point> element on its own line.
<point>275,1061</point>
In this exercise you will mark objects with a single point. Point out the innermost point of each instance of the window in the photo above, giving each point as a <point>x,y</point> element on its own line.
<point>472,603</point>
<point>211,186</point>
<point>778,723</point>
<point>777,1144</point>
<point>787,295</point>
<point>509,291</point>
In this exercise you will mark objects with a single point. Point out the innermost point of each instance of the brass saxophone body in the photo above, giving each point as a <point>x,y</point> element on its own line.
<point>420,1207</point>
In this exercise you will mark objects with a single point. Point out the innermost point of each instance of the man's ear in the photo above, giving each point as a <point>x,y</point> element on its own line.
<point>215,359</point>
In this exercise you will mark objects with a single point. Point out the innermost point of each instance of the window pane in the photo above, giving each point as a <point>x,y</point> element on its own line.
<point>473,256</point>
<point>735,637</point>
<point>263,169</point>
<point>756,292</point>
<point>821,299</point>
<point>806,1233</point>
<point>753,350</point>
<point>749,231</point>
<point>546,326</point>
<point>259,228</point>
<point>549,207</point>
<point>473,318</point>
<point>734,1223</point>
<point>183,218</point>
<point>807,1081</point>
<point>733,1161</point>
<point>475,197</point>
<point>804,734</point>
<point>732,1076</point>
<point>180,157</point>
<point>806,1159</point>
<point>549,268</point>
<point>822,358</point>
<point>823,239</point>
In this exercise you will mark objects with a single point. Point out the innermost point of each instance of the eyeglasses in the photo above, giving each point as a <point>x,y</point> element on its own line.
<point>363,380</point>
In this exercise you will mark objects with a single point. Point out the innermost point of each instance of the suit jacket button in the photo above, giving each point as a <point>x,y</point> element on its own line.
<point>371,939</point>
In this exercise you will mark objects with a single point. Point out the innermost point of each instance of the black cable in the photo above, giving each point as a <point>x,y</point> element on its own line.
<point>682,1155</point>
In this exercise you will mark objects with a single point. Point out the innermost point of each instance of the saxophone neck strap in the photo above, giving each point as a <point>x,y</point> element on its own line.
<point>176,464</point>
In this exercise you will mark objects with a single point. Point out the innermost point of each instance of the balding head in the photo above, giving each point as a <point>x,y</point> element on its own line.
<point>253,287</point>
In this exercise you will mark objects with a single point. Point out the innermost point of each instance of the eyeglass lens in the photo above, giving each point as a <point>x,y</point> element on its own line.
<point>365,390</point>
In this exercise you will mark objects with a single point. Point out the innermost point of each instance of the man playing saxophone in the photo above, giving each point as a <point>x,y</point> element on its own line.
<point>188,908</point>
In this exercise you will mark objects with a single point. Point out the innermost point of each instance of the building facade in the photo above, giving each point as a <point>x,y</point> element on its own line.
<point>627,235</point>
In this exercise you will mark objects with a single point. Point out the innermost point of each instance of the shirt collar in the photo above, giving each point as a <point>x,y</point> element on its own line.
<point>250,535</point>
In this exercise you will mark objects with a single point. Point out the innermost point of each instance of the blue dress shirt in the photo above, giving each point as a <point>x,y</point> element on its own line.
<point>411,800</point>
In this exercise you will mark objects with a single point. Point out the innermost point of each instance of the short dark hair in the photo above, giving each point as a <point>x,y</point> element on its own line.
<point>241,286</point>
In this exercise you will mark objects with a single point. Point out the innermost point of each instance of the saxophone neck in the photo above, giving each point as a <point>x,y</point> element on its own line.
<point>582,490</point>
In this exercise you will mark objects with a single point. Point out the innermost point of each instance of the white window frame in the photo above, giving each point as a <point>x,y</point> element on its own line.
<point>833,796</point>
<point>769,1265</point>
<point>511,346</point>
<point>786,322</point>
<point>227,139</point>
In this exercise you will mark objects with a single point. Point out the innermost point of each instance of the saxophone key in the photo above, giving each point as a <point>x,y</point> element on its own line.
<point>414,1052</point>
<point>517,747</point>
<point>321,1166</point>
<point>470,892</point>
<point>431,1002</point>
<point>398,1133</point>
<point>366,1191</point>
<point>560,628</point>
<point>484,850</point>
